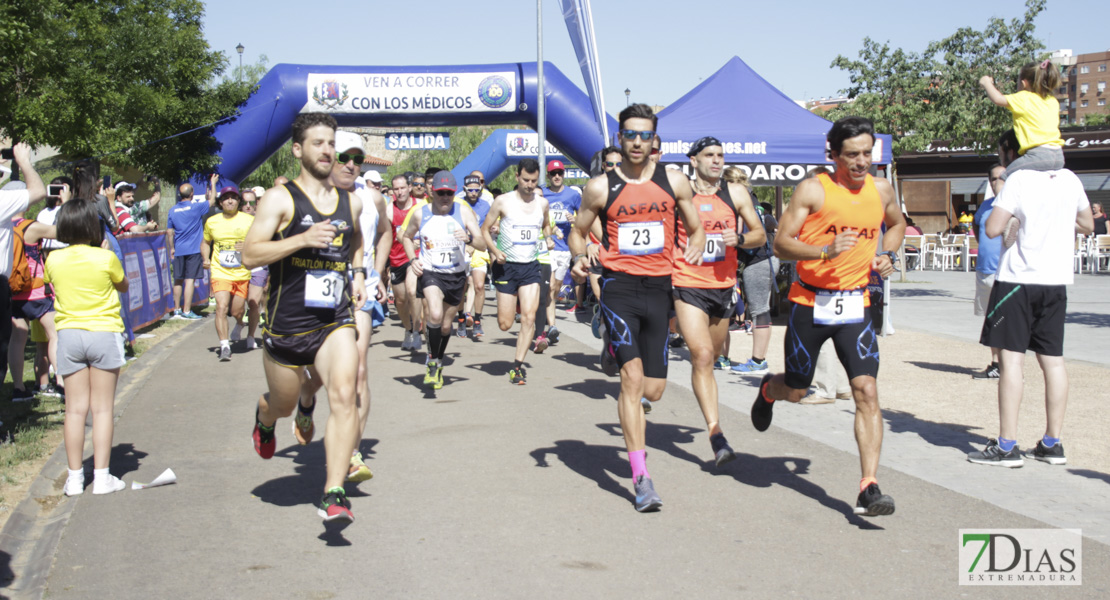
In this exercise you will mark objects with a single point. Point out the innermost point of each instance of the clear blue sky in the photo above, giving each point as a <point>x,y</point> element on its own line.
<point>659,49</point>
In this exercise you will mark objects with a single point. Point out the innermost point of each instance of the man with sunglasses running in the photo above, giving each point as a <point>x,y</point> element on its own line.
<point>309,232</point>
<point>521,215</point>
<point>479,260</point>
<point>637,205</point>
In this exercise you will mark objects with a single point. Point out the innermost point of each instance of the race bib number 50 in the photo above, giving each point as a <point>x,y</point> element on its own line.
<point>640,238</point>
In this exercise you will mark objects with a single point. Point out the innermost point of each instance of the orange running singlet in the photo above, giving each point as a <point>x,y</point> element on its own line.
<point>638,226</point>
<point>860,210</point>
<point>718,265</point>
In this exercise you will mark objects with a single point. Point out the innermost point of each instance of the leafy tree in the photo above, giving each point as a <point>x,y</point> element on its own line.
<point>114,79</point>
<point>936,95</point>
<point>1097,119</point>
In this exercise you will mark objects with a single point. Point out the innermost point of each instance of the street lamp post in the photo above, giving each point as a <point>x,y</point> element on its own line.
<point>240,49</point>
<point>627,92</point>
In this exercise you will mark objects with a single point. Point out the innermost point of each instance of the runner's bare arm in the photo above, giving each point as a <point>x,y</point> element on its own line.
<point>684,197</point>
<point>477,240</point>
<point>408,242</point>
<point>358,281</point>
<point>547,228</point>
<point>275,210</point>
<point>1085,221</point>
<point>210,195</point>
<point>492,217</point>
<point>742,199</point>
<point>385,236</point>
<point>895,228</point>
<point>593,202</point>
<point>205,254</point>
<point>996,223</point>
<point>807,199</point>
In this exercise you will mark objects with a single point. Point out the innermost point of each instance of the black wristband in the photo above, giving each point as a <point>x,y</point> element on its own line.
<point>741,242</point>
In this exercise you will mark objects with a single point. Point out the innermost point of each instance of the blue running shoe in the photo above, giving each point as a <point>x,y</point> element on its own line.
<point>646,498</point>
<point>751,368</point>
<point>595,325</point>
<point>723,363</point>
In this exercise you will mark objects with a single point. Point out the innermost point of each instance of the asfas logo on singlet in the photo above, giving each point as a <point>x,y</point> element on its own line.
<point>866,234</point>
<point>643,207</point>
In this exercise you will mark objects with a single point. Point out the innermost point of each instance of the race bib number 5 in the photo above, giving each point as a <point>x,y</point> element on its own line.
<point>838,308</point>
<point>640,238</point>
<point>322,289</point>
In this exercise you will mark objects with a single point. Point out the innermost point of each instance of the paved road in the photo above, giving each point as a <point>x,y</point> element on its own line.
<point>494,491</point>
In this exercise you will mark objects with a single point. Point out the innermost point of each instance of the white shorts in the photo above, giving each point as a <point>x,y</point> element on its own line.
<point>983,285</point>
<point>560,263</point>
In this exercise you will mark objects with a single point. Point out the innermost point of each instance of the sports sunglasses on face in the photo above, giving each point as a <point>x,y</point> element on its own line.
<point>344,158</point>
<point>630,134</point>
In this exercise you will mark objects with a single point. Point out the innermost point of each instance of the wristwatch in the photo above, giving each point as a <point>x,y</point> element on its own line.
<point>356,270</point>
<point>891,254</point>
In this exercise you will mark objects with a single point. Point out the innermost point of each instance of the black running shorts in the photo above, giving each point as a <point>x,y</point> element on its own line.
<point>397,274</point>
<point>1022,316</point>
<point>509,277</point>
<point>299,349</point>
<point>453,285</point>
<point>857,346</point>
<point>635,311</point>
<point>718,303</point>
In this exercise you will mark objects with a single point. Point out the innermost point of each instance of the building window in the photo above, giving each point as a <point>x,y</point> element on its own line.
<point>1083,88</point>
<point>1102,101</point>
<point>1083,104</point>
<point>1101,87</point>
<point>1102,68</point>
<point>1073,104</point>
<point>1084,69</point>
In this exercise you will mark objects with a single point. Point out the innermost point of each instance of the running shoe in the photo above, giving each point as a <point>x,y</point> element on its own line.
<point>335,506</point>
<point>540,344</point>
<point>994,456</point>
<point>722,363</point>
<point>22,395</point>
<point>303,426</point>
<point>646,498</point>
<point>75,486</point>
<point>552,336</point>
<point>225,353</point>
<point>237,331</point>
<point>761,408</point>
<point>251,343</point>
<point>406,344</point>
<point>177,314</point>
<point>751,368</point>
<point>1052,456</point>
<point>873,503</point>
<point>358,471</point>
<point>264,443</point>
<point>609,364</point>
<point>518,376</point>
<point>722,452</point>
<point>646,405</point>
<point>430,373</point>
<point>991,372</point>
<point>577,307</point>
<point>460,329</point>
<point>438,385</point>
<point>107,484</point>
<point>417,341</point>
<point>676,341</point>
<point>478,329</point>
<point>48,390</point>
<point>595,325</point>
<point>191,316</point>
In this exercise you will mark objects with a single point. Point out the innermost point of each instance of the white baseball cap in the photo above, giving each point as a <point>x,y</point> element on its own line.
<point>373,176</point>
<point>346,140</point>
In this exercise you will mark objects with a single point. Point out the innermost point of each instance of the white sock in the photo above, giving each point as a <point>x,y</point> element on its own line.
<point>224,344</point>
<point>100,473</point>
<point>76,474</point>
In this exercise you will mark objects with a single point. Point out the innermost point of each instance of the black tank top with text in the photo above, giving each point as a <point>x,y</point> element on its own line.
<point>308,289</point>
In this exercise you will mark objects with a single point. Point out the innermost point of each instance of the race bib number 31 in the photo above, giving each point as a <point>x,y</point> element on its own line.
<point>322,289</point>
<point>640,238</point>
<point>838,308</point>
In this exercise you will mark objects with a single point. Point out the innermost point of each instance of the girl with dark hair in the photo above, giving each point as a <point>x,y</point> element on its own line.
<point>87,280</point>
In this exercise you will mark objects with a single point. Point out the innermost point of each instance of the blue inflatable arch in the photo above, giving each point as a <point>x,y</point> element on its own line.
<point>498,94</point>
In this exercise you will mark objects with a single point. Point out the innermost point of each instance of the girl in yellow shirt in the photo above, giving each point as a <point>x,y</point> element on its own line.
<point>1036,113</point>
<point>86,280</point>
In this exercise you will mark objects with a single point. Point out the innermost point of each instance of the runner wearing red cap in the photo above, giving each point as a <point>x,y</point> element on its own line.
<point>563,203</point>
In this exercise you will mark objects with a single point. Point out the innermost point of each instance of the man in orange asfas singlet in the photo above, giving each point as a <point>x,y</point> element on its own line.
<point>831,228</point>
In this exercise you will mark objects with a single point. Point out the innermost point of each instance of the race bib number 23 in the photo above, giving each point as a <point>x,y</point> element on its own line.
<point>640,238</point>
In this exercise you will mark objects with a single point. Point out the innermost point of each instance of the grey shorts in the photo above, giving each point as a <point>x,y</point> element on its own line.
<point>758,279</point>
<point>983,285</point>
<point>78,349</point>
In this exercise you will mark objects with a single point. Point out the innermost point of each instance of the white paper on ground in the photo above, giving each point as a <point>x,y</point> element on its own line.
<point>167,477</point>
<point>142,336</point>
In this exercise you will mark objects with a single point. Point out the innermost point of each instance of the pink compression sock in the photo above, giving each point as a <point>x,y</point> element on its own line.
<point>638,459</point>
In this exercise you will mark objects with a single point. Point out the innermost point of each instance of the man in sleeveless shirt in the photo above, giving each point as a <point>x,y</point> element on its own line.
<point>344,172</point>
<point>398,264</point>
<point>309,234</point>
<point>705,294</point>
<point>446,227</point>
<point>520,216</point>
<point>636,204</point>
<point>831,228</point>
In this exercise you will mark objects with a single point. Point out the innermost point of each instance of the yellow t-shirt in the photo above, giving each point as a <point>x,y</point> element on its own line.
<point>1036,120</point>
<point>85,297</point>
<point>223,233</point>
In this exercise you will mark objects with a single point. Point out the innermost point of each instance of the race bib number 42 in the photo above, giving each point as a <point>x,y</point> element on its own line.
<point>640,238</point>
<point>230,259</point>
<point>838,308</point>
<point>322,289</point>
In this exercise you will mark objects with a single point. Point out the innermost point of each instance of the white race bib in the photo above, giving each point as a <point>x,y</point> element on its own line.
<point>445,255</point>
<point>524,236</point>
<point>838,308</point>
<point>230,259</point>
<point>322,288</point>
<point>640,238</point>
<point>714,248</point>
<point>560,215</point>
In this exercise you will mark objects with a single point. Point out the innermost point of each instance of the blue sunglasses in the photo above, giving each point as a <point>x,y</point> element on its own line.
<point>630,134</point>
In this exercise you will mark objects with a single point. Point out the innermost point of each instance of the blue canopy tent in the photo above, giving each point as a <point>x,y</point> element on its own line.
<point>760,127</point>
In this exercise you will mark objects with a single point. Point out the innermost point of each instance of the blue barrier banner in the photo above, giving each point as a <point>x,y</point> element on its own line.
<point>146,264</point>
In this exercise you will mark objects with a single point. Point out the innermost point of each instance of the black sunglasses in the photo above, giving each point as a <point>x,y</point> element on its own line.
<point>612,164</point>
<point>443,193</point>
<point>630,134</point>
<point>345,158</point>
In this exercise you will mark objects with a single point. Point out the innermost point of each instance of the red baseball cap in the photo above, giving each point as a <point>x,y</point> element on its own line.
<point>555,165</point>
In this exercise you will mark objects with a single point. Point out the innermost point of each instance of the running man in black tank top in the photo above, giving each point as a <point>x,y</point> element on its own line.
<point>308,231</point>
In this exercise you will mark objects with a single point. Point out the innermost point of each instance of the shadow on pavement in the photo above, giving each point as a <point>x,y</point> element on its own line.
<point>1086,318</point>
<point>597,389</point>
<point>7,576</point>
<point>303,487</point>
<point>952,435</point>
<point>900,292</point>
<point>417,382</point>
<point>579,359</point>
<point>497,368</point>
<point>125,459</point>
<point>944,368</point>
<point>1089,474</point>
<point>601,464</point>
<point>333,534</point>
